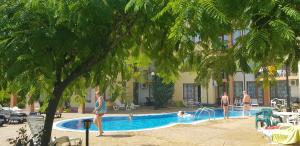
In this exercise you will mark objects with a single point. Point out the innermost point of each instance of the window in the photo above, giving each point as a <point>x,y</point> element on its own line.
<point>281,89</point>
<point>238,89</point>
<point>145,78</point>
<point>255,90</point>
<point>191,91</point>
<point>251,89</point>
<point>278,90</point>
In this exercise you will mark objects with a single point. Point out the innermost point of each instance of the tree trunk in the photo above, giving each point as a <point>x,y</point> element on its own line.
<point>81,108</point>
<point>50,113</point>
<point>13,100</point>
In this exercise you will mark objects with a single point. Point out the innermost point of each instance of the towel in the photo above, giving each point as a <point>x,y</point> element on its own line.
<point>287,136</point>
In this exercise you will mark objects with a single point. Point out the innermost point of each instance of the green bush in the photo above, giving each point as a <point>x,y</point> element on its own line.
<point>22,137</point>
<point>179,104</point>
<point>21,105</point>
<point>67,110</point>
<point>162,92</point>
<point>4,98</point>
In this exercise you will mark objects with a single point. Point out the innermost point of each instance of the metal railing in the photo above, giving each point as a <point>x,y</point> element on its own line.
<point>205,109</point>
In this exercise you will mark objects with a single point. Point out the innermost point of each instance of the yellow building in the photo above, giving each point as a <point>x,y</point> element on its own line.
<point>185,88</point>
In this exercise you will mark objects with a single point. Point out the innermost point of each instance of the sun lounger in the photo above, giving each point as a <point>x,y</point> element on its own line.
<point>287,136</point>
<point>2,120</point>
<point>238,102</point>
<point>57,114</point>
<point>254,102</point>
<point>34,114</point>
<point>6,112</point>
<point>268,131</point>
<point>16,118</point>
<point>132,106</point>
<point>118,105</point>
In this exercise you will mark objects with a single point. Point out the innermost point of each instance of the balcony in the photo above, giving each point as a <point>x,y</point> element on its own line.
<point>282,75</point>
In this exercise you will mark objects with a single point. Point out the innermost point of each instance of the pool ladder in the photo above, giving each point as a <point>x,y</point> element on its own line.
<point>205,109</point>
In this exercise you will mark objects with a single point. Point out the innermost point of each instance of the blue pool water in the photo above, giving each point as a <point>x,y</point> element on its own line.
<point>141,122</point>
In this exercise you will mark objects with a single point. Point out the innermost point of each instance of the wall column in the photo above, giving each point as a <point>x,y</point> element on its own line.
<point>299,77</point>
<point>29,106</point>
<point>267,95</point>
<point>81,108</point>
<point>231,89</point>
<point>13,100</point>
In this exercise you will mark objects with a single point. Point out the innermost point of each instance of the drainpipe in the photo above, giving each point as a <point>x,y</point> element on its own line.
<point>288,98</point>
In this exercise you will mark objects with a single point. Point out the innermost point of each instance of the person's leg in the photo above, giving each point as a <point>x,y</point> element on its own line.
<point>226,111</point>
<point>248,111</point>
<point>244,109</point>
<point>98,124</point>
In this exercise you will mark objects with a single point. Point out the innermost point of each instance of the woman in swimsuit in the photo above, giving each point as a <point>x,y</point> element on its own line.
<point>100,110</point>
<point>224,104</point>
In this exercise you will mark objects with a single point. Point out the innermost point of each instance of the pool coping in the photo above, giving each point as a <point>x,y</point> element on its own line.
<point>56,127</point>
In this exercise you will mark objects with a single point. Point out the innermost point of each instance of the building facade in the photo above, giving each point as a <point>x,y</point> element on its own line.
<point>187,89</point>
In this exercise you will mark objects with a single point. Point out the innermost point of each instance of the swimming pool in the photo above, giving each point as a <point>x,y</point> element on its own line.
<point>140,122</point>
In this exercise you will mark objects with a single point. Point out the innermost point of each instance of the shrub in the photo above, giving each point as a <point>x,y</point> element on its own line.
<point>67,110</point>
<point>162,92</point>
<point>179,104</point>
<point>21,105</point>
<point>22,137</point>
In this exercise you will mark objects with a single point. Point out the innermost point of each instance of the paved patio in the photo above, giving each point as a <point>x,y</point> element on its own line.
<point>232,132</point>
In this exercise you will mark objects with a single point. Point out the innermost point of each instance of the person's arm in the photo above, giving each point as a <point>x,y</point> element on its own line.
<point>227,100</point>
<point>221,101</point>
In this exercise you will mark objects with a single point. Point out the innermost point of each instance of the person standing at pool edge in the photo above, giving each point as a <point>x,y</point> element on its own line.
<point>99,111</point>
<point>246,103</point>
<point>224,104</point>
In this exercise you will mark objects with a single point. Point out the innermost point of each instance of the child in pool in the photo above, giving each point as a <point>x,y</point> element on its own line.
<point>130,116</point>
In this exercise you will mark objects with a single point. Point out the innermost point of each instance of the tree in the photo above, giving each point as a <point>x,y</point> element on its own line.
<point>61,41</point>
<point>162,92</point>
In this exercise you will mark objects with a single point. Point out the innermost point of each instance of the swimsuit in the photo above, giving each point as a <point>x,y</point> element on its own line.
<point>102,109</point>
<point>225,104</point>
<point>246,103</point>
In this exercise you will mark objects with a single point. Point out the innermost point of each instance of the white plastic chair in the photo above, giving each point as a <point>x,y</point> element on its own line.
<point>293,119</point>
<point>273,102</point>
<point>132,106</point>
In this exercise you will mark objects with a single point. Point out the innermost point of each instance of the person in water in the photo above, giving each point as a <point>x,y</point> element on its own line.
<point>225,104</point>
<point>130,116</point>
<point>183,115</point>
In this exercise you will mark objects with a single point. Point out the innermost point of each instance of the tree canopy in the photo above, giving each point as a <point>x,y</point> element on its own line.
<point>60,42</point>
<point>56,46</point>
